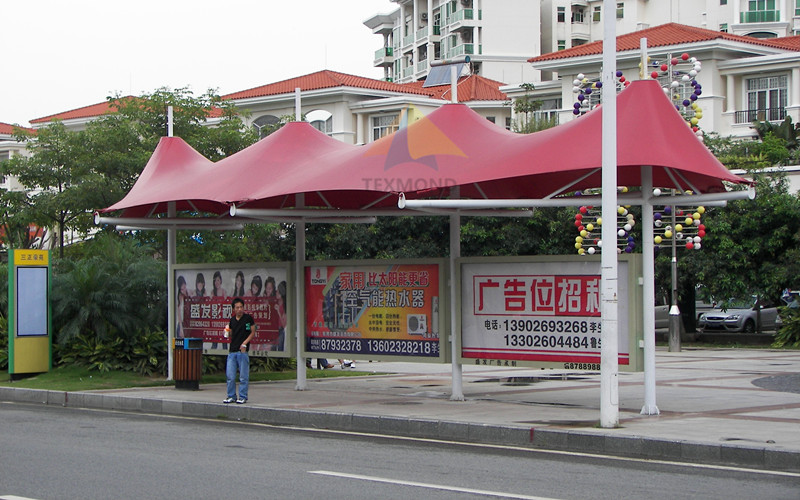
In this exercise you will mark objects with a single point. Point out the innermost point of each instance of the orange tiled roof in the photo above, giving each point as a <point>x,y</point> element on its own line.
<point>321,80</point>
<point>8,129</point>
<point>786,42</point>
<point>662,36</point>
<point>93,110</point>
<point>470,88</point>
<point>99,109</point>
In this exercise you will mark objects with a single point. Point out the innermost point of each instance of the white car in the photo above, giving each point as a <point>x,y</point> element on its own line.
<point>739,316</point>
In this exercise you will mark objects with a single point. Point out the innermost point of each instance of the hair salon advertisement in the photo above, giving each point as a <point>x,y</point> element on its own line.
<point>540,312</point>
<point>374,310</point>
<point>204,309</point>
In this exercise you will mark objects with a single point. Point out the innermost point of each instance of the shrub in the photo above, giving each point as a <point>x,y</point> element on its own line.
<point>789,334</point>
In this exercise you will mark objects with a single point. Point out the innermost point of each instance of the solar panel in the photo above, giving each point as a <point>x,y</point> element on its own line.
<point>440,75</point>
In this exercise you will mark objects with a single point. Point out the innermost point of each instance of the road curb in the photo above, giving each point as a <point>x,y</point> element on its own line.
<point>601,443</point>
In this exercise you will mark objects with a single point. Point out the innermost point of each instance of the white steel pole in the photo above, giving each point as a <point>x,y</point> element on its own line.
<point>171,294</point>
<point>609,351</point>
<point>171,259</point>
<point>297,107</point>
<point>454,83</point>
<point>455,335</point>
<point>648,294</point>
<point>299,277</point>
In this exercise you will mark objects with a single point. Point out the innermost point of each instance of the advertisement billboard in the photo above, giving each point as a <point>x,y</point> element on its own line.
<point>544,311</point>
<point>374,310</point>
<point>203,304</point>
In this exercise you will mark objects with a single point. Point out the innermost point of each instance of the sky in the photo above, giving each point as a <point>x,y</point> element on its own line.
<point>65,54</point>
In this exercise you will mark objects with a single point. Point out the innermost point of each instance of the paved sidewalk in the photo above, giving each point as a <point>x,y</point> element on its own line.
<point>717,406</point>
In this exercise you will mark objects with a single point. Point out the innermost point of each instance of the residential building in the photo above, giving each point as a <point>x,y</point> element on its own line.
<point>743,79</point>
<point>496,32</point>
<point>10,147</point>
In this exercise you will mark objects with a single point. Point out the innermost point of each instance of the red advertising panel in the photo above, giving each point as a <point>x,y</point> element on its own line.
<point>203,300</point>
<point>546,312</point>
<point>373,310</point>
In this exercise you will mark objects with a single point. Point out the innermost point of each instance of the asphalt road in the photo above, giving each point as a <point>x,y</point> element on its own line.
<point>53,452</point>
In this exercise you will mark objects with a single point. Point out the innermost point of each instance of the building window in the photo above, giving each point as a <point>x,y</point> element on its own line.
<point>620,10</point>
<point>766,98</point>
<point>384,125</point>
<point>723,2</point>
<point>508,123</point>
<point>577,15</point>
<point>723,27</point>
<point>797,7</point>
<point>265,125</point>
<point>561,15</point>
<point>596,13</point>
<point>562,44</point>
<point>491,119</point>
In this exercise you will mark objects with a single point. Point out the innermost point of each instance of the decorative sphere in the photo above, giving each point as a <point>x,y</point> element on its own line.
<point>696,215</point>
<point>600,243</point>
<point>591,250</point>
<point>627,227</point>
<point>690,245</point>
<point>697,246</point>
<point>579,216</point>
<point>658,223</point>
<point>685,78</point>
<point>685,56</point>
<point>621,210</point>
<point>688,221</point>
<point>577,222</point>
<point>657,216</point>
<point>589,91</point>
<point>701,233</point>
<point>581,228</point>
<point>674,61</point>
<point>598,85</point>
<point>626,83</point>
<point>578,246</point>
<point>697,239</point>
<point>619,73</point>
<point>667,234</point>
<point>576,82</point>
<point>584,233</point>
<point>656,192</point>
<point>581,251</point>
<point>576,111</point>
<point>654,75</point>
<point>658,240</point>
<point>678,227</point>
<point>696,222</point>
<point>667,210</point>
<point>674,84</point>
<point>583,210</point>
<point>621,233</point>
<point>628,249</point>
<point>580,76</point>
<point>687,103</point>
<point>701,210</point>
<point>692,73</point>
<point>581,97</point>
<point>599,221</point>
<point>576,105</point>
<point>678,236</point>
<point>590,227</point>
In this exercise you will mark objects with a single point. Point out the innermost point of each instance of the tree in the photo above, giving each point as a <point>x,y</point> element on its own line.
<point>752,247</point>
<point>525,109</point>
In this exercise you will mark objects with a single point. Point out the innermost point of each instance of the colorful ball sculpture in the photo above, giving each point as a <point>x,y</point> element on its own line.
<point>678,78</point>
<point>588,222</point>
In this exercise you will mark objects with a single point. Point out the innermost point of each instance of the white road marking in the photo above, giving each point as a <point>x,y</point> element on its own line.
<point>428,485</point>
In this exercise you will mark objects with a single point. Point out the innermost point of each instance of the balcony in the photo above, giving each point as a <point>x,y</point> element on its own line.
<point>751,115</point>
<point>422,33</point>
<point>384,56</point>
<point>760,16</point>
<point>422,66</point>
<point>462,19</point>
<point>408,72</point>
<point>408,40</point>
<point>463,49</point>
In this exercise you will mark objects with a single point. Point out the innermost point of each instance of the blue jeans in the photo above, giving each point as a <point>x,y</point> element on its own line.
<point>238,361</point>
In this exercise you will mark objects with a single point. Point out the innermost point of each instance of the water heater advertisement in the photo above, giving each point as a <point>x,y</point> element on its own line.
<point>538,311</point>
<point>373,310</point>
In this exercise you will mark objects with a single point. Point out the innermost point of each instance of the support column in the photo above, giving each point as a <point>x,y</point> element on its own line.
<point>609,300</point>
<point>648,294</point>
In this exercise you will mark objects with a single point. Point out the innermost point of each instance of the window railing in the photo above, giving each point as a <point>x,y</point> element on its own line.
<point>408,71</point>
<point>463,49</point>
<point>464,14</point>
<point>751,115</point>
<point>760,16</point>
<point>384,52</point>
<point>422,32</point>
<point>422,66</point>
<point>408,40</point>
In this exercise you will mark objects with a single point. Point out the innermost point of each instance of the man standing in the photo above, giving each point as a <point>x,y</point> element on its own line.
<point>242,330</point>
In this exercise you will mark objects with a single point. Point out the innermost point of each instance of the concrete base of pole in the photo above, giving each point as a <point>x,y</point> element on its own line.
<point>650,410</point>
<point>674,332</point>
